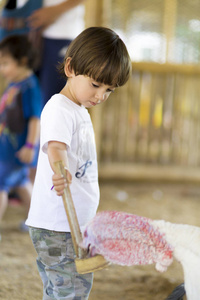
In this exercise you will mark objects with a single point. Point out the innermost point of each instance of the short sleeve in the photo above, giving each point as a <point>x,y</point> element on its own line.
<point>57,124</point>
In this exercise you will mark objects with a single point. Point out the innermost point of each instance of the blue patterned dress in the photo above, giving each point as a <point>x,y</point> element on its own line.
<point>19,103</point>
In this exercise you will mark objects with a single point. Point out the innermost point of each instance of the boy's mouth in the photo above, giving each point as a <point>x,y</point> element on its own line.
<point>93,103</point>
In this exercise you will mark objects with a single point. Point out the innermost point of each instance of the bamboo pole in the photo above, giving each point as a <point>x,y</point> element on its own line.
<point>169,26</point>
<point>94,17</point>
<point>93,13</point>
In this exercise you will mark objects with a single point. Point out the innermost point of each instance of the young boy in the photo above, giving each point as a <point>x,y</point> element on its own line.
<point>95,64</point>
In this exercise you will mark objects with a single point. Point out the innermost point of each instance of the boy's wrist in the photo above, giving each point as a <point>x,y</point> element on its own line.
<point>30,145</point>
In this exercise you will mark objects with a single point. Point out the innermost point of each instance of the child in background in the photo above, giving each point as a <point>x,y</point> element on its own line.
<point>95,64</point>
<point>20,108</point>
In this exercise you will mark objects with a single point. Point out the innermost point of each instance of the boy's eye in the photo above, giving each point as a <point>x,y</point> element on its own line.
<point>110,91</point>
<point>95,85</point>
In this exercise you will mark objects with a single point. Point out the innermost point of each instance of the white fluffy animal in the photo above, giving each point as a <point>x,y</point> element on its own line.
<point>185,240</point>
<point>127,239</point>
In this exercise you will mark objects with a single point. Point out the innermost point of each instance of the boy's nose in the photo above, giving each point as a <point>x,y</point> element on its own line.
<point>100,96</point>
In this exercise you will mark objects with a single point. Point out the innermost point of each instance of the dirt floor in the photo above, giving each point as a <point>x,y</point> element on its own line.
<point>178,203</point>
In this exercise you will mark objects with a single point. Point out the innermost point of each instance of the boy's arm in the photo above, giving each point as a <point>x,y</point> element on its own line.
<point>33,131</point>
<point>26,153</point>
<point>57,151</point>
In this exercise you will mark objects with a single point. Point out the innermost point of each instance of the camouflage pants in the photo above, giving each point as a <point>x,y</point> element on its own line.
<point>56,266</point>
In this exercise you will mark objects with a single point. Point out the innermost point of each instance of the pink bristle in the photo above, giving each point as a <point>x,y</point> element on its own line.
<point>127,239</point>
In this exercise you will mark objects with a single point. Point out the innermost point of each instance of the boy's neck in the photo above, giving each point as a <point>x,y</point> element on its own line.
<point>67,93</point>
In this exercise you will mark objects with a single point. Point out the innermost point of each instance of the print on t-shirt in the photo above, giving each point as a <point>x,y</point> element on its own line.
<point>87,164</point>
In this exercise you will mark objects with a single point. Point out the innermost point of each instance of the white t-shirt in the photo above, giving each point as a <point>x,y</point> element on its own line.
<point>68,25</point>
<point>63,120</point>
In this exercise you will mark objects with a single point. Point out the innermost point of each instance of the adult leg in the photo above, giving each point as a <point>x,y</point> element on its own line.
<point>53,54</point>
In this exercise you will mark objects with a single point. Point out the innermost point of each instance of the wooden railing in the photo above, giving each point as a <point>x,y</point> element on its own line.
<point>151,122</point>
<point>150,128</point>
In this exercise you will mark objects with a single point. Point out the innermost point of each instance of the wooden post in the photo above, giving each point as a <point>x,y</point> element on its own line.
<point>93,13</point>
<point>169,26</point>
<point>94,17</point>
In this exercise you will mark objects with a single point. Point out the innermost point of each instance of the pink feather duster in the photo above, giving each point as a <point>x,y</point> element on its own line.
<point>127,239</point>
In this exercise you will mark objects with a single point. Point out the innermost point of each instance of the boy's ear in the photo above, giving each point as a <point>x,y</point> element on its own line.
<point>68,70</point>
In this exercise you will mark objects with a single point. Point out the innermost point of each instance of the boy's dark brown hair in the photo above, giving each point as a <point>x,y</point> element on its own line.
<point>19,47</point>
<point>99,53</point>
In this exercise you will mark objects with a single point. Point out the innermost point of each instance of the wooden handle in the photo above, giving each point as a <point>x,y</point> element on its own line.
<point>71,213</point>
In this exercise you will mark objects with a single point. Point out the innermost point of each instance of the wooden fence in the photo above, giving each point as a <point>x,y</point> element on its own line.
<point>150,128</point>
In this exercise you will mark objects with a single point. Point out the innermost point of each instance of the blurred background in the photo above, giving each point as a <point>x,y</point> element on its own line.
<point>147,132</point>
<point>151,126</point>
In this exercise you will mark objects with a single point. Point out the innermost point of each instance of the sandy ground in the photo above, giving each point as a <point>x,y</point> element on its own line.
<point>19,278</point>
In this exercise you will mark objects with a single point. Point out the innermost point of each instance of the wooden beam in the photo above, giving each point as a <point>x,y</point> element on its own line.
<point>166,68</point>
<point>150,173</point>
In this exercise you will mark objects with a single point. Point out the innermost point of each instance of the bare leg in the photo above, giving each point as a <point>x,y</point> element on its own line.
<point>3,203</point>
<point>32,175</point>
<point>24,193</point>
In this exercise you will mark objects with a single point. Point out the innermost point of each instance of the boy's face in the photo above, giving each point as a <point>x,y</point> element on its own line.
<point>85,91</point>
<point>9,68</point>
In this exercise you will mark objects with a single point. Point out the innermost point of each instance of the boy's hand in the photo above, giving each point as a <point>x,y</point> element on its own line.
<point>60,182</point>
<point>25,155</point>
